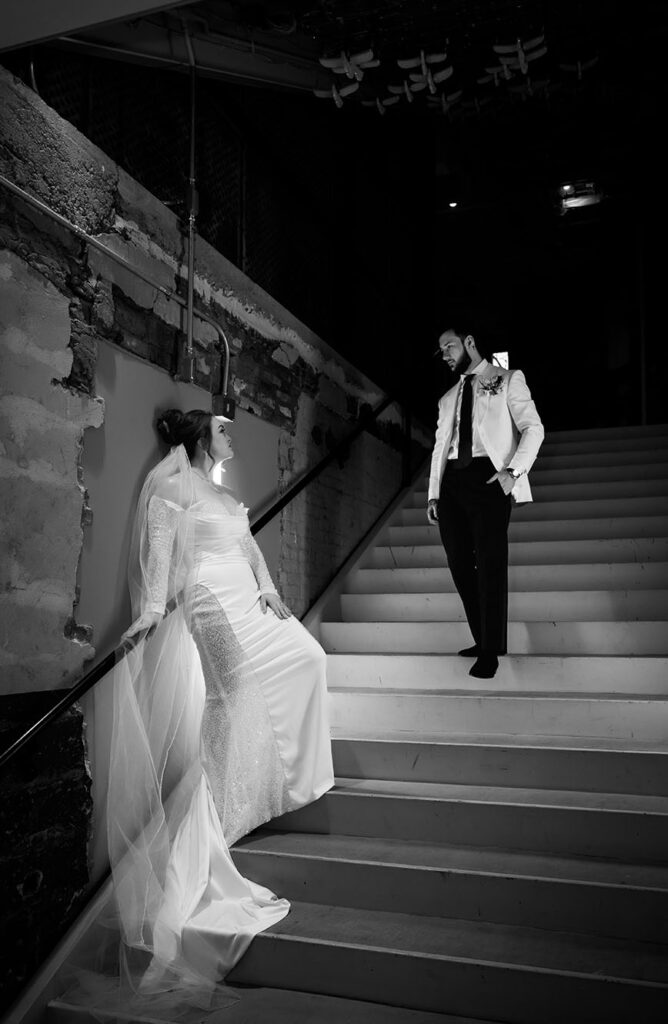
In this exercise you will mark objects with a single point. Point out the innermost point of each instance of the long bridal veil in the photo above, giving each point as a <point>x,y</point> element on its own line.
<point>181,912</point>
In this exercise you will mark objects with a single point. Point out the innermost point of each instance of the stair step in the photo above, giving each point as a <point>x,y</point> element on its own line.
<point>262,1005</point>
<point>460,966</point>
<point>542,530</point>
<point>619,551</point>
<point>645,639</point>
<point>599,897</point>
<point>525,606</point>
<point>552,458</point>
<point>547,762</point>
<point>589,474</point>
<point>599,445</point>
<point>542,511</point>
<point>417,712</point>
<point>536,673</point>
<point>650,431</point>
<point>619,826</point>
<point>545,488</point>
<point>603,576</point>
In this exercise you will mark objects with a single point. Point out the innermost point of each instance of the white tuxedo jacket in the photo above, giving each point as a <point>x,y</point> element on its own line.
<point>508,424</point>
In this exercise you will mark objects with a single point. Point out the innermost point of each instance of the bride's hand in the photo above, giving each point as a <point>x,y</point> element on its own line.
<point>278,607</point>
<point>145,623</point>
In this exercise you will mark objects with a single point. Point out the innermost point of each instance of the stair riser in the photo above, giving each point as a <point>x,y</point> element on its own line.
<point>654,433</point>
<point>540,476</point>
<point>600,771</point>
<point>541,511</point>
<point>562,606</point>
<point>640,639</point>
<point>536,674</point>
<point>438,714</point>
<point>545,488</point>
<point>269,1006</point>
<point>535,903</point>
<point>414,580</point>
<point>528,554</point>
<point>446,986</point>
<point>622,835</point>
<point>648,462</point>
<point>550,530</point>
<point>600,446</point>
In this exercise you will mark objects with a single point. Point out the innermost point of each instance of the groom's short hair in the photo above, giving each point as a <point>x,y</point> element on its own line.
<point>463,331</point>
<point>459,330</point>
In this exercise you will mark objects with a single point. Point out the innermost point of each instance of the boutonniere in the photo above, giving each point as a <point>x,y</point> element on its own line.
<point>491,385</point>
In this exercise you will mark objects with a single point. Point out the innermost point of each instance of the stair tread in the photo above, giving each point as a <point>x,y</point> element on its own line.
<point>531,622</point>
<point>504,694</point>
<point>440,857</point>
<point>260,1005</point>
<point>646,430</point>
<point>452,792</point>
<point>595,744</point>
<point>448,939</point>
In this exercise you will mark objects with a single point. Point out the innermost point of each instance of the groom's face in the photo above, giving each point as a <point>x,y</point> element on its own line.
<point>454,352</point>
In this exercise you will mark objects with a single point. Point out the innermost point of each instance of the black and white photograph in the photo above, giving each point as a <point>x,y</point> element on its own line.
<point>333,512</point>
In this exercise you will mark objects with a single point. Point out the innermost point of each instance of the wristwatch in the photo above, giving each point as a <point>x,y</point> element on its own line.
<point>515,473</point>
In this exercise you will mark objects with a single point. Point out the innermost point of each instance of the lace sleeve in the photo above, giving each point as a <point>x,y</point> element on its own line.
<point>257,564</point>
<point>162,522</point>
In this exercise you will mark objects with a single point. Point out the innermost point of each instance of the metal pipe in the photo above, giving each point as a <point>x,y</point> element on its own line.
<point>640,281</point>
<point>169,293</point>
<point>192,208</point>
<point>275,57</point>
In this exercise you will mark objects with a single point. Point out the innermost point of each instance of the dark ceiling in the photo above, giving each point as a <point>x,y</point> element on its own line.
<point>577,90</point>
<point>586,105</point>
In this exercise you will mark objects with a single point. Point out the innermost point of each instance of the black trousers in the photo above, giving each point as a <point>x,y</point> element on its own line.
<point>473,519</point>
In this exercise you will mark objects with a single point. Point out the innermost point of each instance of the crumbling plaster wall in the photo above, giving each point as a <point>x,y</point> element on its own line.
<point>281,372</point>
<point>41,433</point>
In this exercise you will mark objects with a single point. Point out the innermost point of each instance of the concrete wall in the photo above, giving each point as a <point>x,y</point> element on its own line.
<point>41,432</point>
<point>116,458</point>
<point>95,331</point>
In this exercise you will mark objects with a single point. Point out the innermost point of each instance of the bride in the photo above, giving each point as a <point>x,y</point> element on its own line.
<point>220,722</point>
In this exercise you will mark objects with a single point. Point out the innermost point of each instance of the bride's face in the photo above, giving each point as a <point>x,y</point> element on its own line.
<point>221,445</point>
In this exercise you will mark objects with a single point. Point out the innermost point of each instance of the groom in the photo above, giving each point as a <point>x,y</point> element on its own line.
<point>487,439</point>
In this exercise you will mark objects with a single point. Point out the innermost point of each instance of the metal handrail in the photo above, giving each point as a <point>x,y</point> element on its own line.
<point>94,675</point>
<point>366,419</point>
<point>71,696</point>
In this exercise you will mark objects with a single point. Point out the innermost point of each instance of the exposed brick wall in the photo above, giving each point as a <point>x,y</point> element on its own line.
<point>281,371</point>
<point>64,298</point>
<point>311,202</point>
<point>44,820</point>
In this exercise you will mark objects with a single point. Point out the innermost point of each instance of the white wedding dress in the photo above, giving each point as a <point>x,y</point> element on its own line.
<point>220,724</point>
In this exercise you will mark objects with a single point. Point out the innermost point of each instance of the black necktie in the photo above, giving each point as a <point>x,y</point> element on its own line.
<point>465,449</point>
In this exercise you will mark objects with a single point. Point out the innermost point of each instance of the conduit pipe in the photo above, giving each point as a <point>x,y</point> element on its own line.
<point>221,404</point>
<point>192,205</point>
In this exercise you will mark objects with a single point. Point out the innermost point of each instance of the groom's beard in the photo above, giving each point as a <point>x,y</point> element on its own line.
<point>463,363</point>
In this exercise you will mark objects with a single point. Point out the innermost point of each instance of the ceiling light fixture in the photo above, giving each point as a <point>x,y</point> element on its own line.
<point>576,194</point>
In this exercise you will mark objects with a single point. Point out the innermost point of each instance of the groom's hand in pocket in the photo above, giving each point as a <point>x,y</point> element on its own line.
<point>506,481</point>
<point>432,511</point>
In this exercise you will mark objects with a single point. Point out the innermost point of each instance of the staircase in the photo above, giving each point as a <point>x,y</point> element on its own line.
<point>493,850</point>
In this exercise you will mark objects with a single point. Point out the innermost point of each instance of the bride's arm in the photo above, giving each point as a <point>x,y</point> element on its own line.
<point>162,521</point>
<point>257,563</point>
<point>269,597</point>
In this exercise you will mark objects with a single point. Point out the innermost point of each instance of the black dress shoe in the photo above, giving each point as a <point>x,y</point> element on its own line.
<point>485,667</point>
<point>469,652</point>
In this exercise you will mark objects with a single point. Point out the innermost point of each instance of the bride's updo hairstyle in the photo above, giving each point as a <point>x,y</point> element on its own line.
<point>186,428</point>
